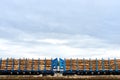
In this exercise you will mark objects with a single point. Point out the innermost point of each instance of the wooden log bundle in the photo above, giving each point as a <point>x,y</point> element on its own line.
<point>73,64</point>
<point>92,64</point>
<point>25,63</point>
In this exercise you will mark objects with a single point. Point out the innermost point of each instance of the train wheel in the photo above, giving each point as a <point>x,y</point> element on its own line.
<point>64,74</point>
<point>92,73</point>
<point>78,73</point>
<point>52,74</point>
<point>43,74</point>
<point>38,73</point>
<point>17,73</point>
<point>98,73</point>
<point>11,73</point>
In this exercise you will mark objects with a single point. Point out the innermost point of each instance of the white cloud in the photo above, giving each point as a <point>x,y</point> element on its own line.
<point>53,41</point>
<point>57,48</point>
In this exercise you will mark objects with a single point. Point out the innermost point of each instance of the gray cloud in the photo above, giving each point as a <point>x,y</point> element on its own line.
<point>93,18</point>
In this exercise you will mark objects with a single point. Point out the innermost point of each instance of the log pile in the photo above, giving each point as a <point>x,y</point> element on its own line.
<point>81,65</point>
<point>25,64</point>
<point>86,64</point>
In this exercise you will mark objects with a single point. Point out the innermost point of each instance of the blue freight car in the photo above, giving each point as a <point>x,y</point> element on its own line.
<point>54,65</point>
<point>90,71</point>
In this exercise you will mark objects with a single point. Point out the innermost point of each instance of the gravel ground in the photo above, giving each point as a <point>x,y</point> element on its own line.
<point>109,77</point>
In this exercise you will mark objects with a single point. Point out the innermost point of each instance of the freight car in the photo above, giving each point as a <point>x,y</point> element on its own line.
<point>11,66</point>
<point>90,67</point>
<point>28,67</point>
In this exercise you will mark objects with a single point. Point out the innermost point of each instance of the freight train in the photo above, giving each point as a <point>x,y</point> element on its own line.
<point>11,66</point>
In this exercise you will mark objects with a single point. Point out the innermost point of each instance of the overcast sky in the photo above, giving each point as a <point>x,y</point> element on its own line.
<point>60,28</point>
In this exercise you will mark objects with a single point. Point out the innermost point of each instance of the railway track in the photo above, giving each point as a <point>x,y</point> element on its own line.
<point>109,77</point>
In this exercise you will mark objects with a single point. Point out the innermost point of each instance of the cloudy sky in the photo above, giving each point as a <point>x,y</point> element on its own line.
<point>60,28</point>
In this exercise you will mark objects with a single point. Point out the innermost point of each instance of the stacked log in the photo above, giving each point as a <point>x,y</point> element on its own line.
<point>87,64</point>
<point>25,64</point>
<point>73,64</point>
